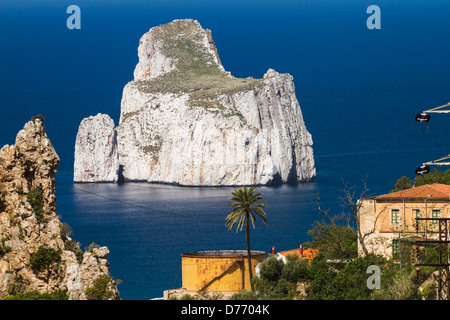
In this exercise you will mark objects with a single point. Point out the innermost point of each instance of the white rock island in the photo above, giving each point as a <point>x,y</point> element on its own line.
<point>185,120</point>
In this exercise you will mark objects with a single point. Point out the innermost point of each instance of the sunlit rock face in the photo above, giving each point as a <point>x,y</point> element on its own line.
<point>29,222</point>
<point>185,120</point>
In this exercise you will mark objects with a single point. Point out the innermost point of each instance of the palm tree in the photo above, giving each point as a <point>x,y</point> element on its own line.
<point>244,210</point>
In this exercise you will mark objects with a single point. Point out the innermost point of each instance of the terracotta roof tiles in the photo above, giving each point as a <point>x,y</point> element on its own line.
<point>434,191</point>
<point>308,253</point>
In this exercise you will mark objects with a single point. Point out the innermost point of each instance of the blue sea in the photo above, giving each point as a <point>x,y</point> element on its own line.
<point>359,90</point>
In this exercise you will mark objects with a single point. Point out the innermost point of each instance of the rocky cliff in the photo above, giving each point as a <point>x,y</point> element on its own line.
<point>185,120</point>
<point>36,252</point>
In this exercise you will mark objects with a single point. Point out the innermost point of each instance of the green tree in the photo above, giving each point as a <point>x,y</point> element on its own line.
<point>295,269</point>
<point>400,286</point>
<point>278,279</point>
<point>245,210</point>
<point>266,284</point>
<point>342,281</point>
<point>322,275</point>
<point>436,176</point>
<point>402,184</point>
<point>333,240</point>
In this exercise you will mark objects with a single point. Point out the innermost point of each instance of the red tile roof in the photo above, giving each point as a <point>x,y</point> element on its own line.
<point>308,253</point>
<point>429,191</point>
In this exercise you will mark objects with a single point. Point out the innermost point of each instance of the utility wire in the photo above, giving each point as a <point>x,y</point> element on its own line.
<point>178,273</point>
<point>380,147</point>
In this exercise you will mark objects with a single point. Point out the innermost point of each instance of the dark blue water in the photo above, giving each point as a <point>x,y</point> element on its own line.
<point>359,91</point>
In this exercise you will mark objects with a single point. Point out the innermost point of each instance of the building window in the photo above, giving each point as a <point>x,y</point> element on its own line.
<point>395,248</point>
<point>435,213</point>
<point>395,217</point>
<point>416,214</point>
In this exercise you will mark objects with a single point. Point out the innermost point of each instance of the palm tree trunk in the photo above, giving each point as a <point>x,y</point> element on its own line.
<point>249,257</point>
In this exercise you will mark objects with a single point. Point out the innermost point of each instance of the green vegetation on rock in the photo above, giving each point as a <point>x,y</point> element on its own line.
<point>100,289</point>
<point>196,71</point>
<point>4,249</point>
<point>35,198</point>
<point>35,295</point>
<point>44,257</point>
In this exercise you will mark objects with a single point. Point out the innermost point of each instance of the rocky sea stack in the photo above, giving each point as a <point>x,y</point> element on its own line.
<point>185,120</point>
<point>37,256</point>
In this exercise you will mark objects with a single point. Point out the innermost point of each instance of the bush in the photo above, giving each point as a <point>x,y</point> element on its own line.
<point>333,240</point>
<point>244,295</point>
<point>4,249</point>
<point>73,246</point>
<point>271,269</point>
<point>91,247</point>
<point>100,289</point>
<point>18,286</point>
<point>278,280</point>
<point>35,295</point>
<point>70,244</point>
<point>400,286</point>
<point>44,257</point>
<point>402,184</point>
<point>38,116</point>
<point>35,198</point>
<point>295,269</point>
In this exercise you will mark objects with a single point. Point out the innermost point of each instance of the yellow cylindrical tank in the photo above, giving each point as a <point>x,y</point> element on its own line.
<point>222,270</point>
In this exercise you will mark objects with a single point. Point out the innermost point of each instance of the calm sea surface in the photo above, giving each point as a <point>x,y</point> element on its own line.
<point>359,92</point>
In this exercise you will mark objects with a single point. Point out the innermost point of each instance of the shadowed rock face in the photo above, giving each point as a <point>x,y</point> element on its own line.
<point>185,120</point>
<point>28,222</point>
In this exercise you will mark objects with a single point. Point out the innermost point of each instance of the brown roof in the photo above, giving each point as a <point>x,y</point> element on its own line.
<point>308,253</point>
<point>433,191</point>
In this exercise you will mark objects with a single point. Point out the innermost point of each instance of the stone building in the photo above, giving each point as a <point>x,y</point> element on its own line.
<point>388,220</point>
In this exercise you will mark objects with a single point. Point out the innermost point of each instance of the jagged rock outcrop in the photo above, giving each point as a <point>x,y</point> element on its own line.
<point>97,137</point>
<point>185,120</point>
<point>29,224</point>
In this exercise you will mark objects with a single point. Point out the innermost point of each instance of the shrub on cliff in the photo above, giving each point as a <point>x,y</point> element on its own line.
<point>35,198</point>
<point>44,257</point>
<point>38,116</point>
<point>278,280</point>
<point>69,243</point>
<point>100,289</point>
<point>4,249</point>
